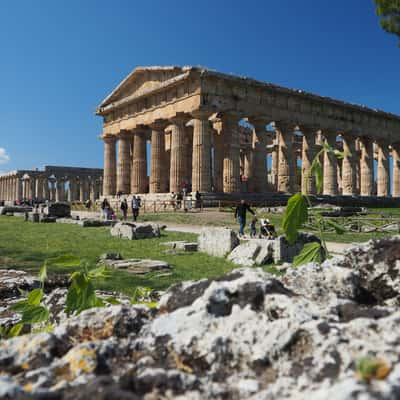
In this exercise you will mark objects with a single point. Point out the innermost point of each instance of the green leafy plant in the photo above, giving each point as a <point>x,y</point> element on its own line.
<point>297,213</point>
<point>369,368</point>
<point>142,295</point>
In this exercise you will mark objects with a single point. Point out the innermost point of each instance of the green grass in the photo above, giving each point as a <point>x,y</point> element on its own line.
<point>25,245</point>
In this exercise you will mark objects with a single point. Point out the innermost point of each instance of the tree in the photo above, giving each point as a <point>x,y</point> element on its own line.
<point>389,11</point>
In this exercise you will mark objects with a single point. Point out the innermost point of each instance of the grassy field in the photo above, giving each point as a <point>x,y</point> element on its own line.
<point>25,245</point>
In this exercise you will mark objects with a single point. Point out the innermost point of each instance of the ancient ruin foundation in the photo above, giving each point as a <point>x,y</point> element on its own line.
<point>53,183</point>
<point>213,133</point>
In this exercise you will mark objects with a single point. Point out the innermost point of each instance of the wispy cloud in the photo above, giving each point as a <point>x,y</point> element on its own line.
<point>4,157</point>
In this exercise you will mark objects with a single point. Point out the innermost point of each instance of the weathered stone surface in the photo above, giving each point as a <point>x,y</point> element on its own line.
<point>59,210</point>
<point>11,280</point>
<point>246,335</point>
<point>181,245</point>
<point>217,241</point>
<point>254,251</point>
<point>134,231</point>
<point>137,266</point>
<point>14,209</point>
<point>285,252</point>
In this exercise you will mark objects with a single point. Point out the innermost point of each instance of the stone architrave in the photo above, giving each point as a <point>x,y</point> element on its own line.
<point>396,169</point>
<point>349,177</point>
<point>158,178</point>
<point>366,167</point>
<point>177,155</point>
<point>139,162</point>
<point>259,164</point>
<point>383,184</point>
<point>124,162</point>
<point>201,159</point>
<point>286,179</point>
<point>231,166</point>
<point>330,182</point>
<point>109,180</point>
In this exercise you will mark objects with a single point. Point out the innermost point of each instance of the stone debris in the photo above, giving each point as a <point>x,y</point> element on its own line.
<point>136,265</point>
<point>58,209</point>
<point>86,222</point>
<point>10,210</point>
<point>253,252</point>
<point>181,245</point>
<point>133,231</point>
<point>217,242</point>
<point>247,335</point>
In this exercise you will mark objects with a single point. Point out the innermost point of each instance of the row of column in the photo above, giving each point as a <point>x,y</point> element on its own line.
<point>211,159</point>
<point>42,188</point>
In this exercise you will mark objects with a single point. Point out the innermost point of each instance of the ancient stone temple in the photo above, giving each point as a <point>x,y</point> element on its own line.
<point>214,133</point>
<point>52,183</point>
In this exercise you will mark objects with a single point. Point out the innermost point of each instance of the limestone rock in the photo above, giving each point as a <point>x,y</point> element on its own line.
<point>59,210</point>
<point>135,230</point>
<point>217,241</point>
<point>137,266</point>
<point>255,251</point>
<point>181,245</point>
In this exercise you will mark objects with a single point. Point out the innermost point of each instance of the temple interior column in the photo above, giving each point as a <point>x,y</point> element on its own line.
<point>396,169</point>
<point>124,163</point>
<point>189,153</point>
<point>349,177</point>
<point>158,177</point>
<point>286,178</point>
<point>330,182</point>
<point>201,159</point>
<point>274,164</point>
<point>366,167</point>
<point>248,168</point>
<point>72,193</point>
<point>178,156</point>
<point>383,181</point>
<point>83,193</point>
<point>259,145</point>
<point>218,179</point>
<point>139,166</point>
<point>109,180</point>
<point>357,165</point>
<point>309,152</point>
<point>231,166</point>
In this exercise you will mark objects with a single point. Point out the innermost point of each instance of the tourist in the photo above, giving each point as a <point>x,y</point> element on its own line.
<point>198,199</point>
<point>173,198</point>
<point>253,227</point>
<point>105,207</point>
<point>135,207</point>
<point>88,204</point>
<point>240,215</point>
<point>124,208</point>
<point>179,198</point>
<point>267,229</point>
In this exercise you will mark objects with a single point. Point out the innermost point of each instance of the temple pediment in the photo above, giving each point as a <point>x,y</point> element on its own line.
<point>142,80</point>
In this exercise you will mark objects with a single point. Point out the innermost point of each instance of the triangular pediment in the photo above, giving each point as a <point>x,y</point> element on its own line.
<point>142,80</point>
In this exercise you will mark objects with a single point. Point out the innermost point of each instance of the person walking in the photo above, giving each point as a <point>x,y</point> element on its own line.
<point>124,208</point>
<point>135,207</point>
<point>105,207</point>
<point>240,215</point>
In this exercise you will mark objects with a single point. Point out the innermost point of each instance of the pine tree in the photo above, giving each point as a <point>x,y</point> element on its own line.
<point>389,11</point>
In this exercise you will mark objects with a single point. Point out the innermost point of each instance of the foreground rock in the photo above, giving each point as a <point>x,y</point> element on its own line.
<point>247,335</point>
<point>133,231</point>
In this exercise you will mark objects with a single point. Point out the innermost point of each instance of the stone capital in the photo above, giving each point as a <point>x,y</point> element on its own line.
<point>108,138</point>
<point>180,118</point>
<point>259,122</point>
<point>202,114</point>
<point>125,134</point>
<point>159,125</point>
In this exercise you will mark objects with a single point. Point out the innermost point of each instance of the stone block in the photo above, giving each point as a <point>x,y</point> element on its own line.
<point>285,252</point>
<point>132,231</point>
<point>217,242</point>
<point>182,245</point>
<point>34,217</point>
<point>59,210</point>
<point>137,266</point>
<point>253,252</point>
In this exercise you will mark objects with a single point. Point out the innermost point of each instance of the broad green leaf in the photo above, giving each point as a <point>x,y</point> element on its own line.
<point>43,273</point>
<point>327,148</point>
<point>99,272</point>
<point>112,300</point>
<point>20,306</point>
<point>339,154</point>
<point>311,252</point>
<point>64,261</point>
<point>15,330</point>
<point>35,297</point>
<point>316,171</point>
<point>339,229</point>
<point>34,314</point>
<point>296,214</point>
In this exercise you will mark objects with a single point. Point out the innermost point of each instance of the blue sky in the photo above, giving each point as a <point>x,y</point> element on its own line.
<point>59,59</point>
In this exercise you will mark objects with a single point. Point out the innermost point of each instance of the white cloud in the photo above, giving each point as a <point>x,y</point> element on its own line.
<point>4,157</point>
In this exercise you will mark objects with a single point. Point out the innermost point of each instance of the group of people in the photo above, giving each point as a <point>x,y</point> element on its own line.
<point>108,212</point>
<point>180,198</point>
<point>267,229</point>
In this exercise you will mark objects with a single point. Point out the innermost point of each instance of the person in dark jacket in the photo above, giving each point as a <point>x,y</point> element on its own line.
<point>240,215</point>
<point>124,209</point>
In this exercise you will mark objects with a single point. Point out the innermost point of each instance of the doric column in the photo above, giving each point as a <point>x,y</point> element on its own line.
<point>259,167</point>
<point>72,193</point>
<point>218,161</point>
<point>248,169</point>
<point>201,159</point>
<point>286,178</point>
<point>83,193</point>
<point>366,167</point>
<point>309,152</point>
<point>158,177</point>
<point>139,165</point>
<point>396,169</point>
<point>231,166</point>
<point>189,153</point>
<point>59,189</point>
<point>330,184</point>
<point>124,162</point>
<point>109,180</point>
<point>178,156</point>
<point>46,191</point>
<point>349,171</point>
<point>383,184</point>
<point>274,165</point>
